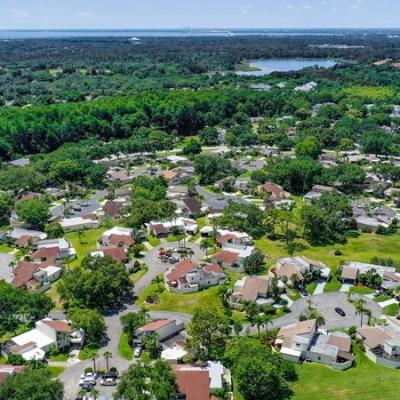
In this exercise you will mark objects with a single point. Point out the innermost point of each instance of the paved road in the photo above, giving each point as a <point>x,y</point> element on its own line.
<point>6,272</point>
<point>93,205</point>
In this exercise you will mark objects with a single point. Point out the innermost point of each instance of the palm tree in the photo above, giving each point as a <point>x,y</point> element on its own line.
<point>204,245</point>
<point>143,312</point>
<point>360,309</point>
<point>107,355</point>
<point>262,320</point>
<point>81,394</point>
<point>158,280</point>
<point>94,393</point>
<point>94,362</point>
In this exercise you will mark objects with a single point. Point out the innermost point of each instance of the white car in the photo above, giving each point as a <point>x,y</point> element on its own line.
<point>137,352</point>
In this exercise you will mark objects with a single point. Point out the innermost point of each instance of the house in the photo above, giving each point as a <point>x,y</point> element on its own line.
<point>119,175</point>
<point>178,175</point>
<point>53,250</point>
<point>351,271</point>
<point>48,333</point>
<point>382,344</point>
<point>303,341</point>
<point>25,237</point>
<point>233,257</point>
<point>163,228</point>
<point>308,87</point>
<point>192,207</point>
<point>79,223</point>
<point>275,192</point>
<point>164,328</point>
<point>188,277</point>
<point>228,238</point>
<point>177,192</point>
<point>251,289</point>
<point>117,236</point>
<point>370,216</point>
<point>301,266</point>
<point>35,276</point>
<point>118,254</point>
<point>113,208</point>
<point>196,382</point>
<point>9,370</point>
<point>317,192</point>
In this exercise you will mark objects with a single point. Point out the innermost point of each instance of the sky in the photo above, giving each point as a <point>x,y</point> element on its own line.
<point>147,14</point>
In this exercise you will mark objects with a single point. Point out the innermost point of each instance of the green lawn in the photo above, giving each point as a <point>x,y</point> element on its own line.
<point>55,371</point>
<point>366,381</point>
<point>293,294</point>
<point>333,285</point>
<point>311,287</point>
<point>5,249</point>
<point>392,310</point>
<point>59,357</point>
<point>372,92</point>
<point>361,290</point>
<point>138,274</point>
<point>153,240</point>
<point>86,353</point>
<point>382,298</point>
<point>124,349</point>
<point>88,243</point>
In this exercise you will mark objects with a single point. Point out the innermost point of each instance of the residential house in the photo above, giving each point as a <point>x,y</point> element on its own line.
<point>117,236</point>
<point>119,175</point>
<point>196,382</point>
<point>113,208</point>
<point>25,237</point>
<point>253,289</point>
<point>188,277</point>
<point>232,257</point>
<point>163,228</point>
<point>382,344</point>
<point>35,276</point>
<point>118,254</point>
<point>163,328</point>
<point>79,223</point>
<point>48,333</point>
<point>275,192</point>
<point>317,192</point>
<point>305,265</point>
<point>192,207</point>
<point>350,272</point>
<point>303,341</point>
<point>9,370</point>
<point>228,238</point>
<point>178,175</point>
<point>53,250</point>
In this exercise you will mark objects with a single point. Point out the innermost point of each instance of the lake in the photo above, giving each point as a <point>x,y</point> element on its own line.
<point>266,67</point>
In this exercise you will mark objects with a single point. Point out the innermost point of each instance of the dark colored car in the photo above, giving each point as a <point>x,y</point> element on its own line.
<point>340,311</point>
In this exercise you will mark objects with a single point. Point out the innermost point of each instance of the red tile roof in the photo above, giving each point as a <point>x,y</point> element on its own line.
<point>159,229</point>
<point>276,191</point>
<point>155,325</point>
<point>23,240</point>
<point>23,273</point>
<point>58,325</point>
<point>117,239</point>
<point>118,254</point>
<point>225,257</point>
<point>180,270</point>
<point>46,252</point>
<point>226,238</point>
<point>194,384</point>
<point>213,268</point>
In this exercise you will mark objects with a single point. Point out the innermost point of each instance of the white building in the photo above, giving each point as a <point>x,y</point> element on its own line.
<point>79,223</point>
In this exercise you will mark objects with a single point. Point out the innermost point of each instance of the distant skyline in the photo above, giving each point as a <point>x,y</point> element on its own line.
<point>169,14</point>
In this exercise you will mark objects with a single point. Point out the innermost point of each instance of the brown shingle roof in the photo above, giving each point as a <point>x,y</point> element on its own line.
<point>274,190</point>
<point>288,270</point>
<point>155,325</point>
<point>349,272</point>
<point>23,273</point>
<point>253,286</point>
<point>58,325</point>
<point>300,328</point>
<point>225,257</point>
<point>373,336</point>
<point>46,252</point>
<point>159,229</point>
<point>118,254</point>
<point>226,238</point>
<point>180,270</point>
<point>194,384</point>
<point>112,208</point>
<point>343,342</point>
<point>117,239</point>
<point>193,205</point>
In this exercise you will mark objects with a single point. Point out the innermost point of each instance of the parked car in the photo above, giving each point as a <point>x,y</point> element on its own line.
<point>87,386</point>
<point>173,260</point>
<point>340,311</point>
<point>108,382</point>
<point>137,352</point>
<point>379,293</point>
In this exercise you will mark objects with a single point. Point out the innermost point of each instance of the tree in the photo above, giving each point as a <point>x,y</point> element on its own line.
<point>92,322</point>
<point>98,282</point>
<point>107,355</point>
<point>146,381</point>
<point>212,167</point>
<point>54,230</point>
<point>6,204</point>
<point>35,212</point>
<point>33,384</point>
<point>208,332</point>
<point>258,380</point>
<point>150,344</point>
<point>360,309</point>
<point>192,148</point>
<point>130,323</point>
<point>209,136</point>
<point>205,244</point>
<point>308,147</point>
<point>254,263</point>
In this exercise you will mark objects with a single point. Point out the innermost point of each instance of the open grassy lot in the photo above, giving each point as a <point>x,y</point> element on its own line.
<point>87,243</point>
<point>362,248</point>
<point>124,349</point>
<point>372,92</point>
<point>367,381</point>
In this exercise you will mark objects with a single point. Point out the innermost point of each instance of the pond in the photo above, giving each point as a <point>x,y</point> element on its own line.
<point>266,67</point>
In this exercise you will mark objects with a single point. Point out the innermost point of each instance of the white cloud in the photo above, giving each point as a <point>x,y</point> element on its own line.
<point>86,14</point>
<point>18,13</point>
<point>357,5</point>
<point>245,10</point>
<point>306,7</point>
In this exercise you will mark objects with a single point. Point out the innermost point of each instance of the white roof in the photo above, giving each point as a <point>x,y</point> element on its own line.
<point>35,336</point>
<point>16,233</point>
<point>34,353</point>
<point>173,353</point>
<point>216,372</point>
<point>242,251</point>
<point>290,352</point>
<point>51,270</point>
<point>78,221</point>
<point>118,230</point>
<point>60,243</point>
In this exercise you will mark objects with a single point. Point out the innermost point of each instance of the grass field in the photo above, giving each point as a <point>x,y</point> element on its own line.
<point>124,349</point>
<point>372,92</point>
<point>153,240</point>
<point>366,381</point>
<point>88,243</point>
<point>392,310</point>
<point>55,371</point>
<point>59,357</point>
<point>5,249</point>
<point>361,290</point>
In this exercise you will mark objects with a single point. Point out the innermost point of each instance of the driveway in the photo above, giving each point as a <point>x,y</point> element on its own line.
<point>6,271</point>
<point>320,288</point>
<point>345,288</point>
<point>156,267</point>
